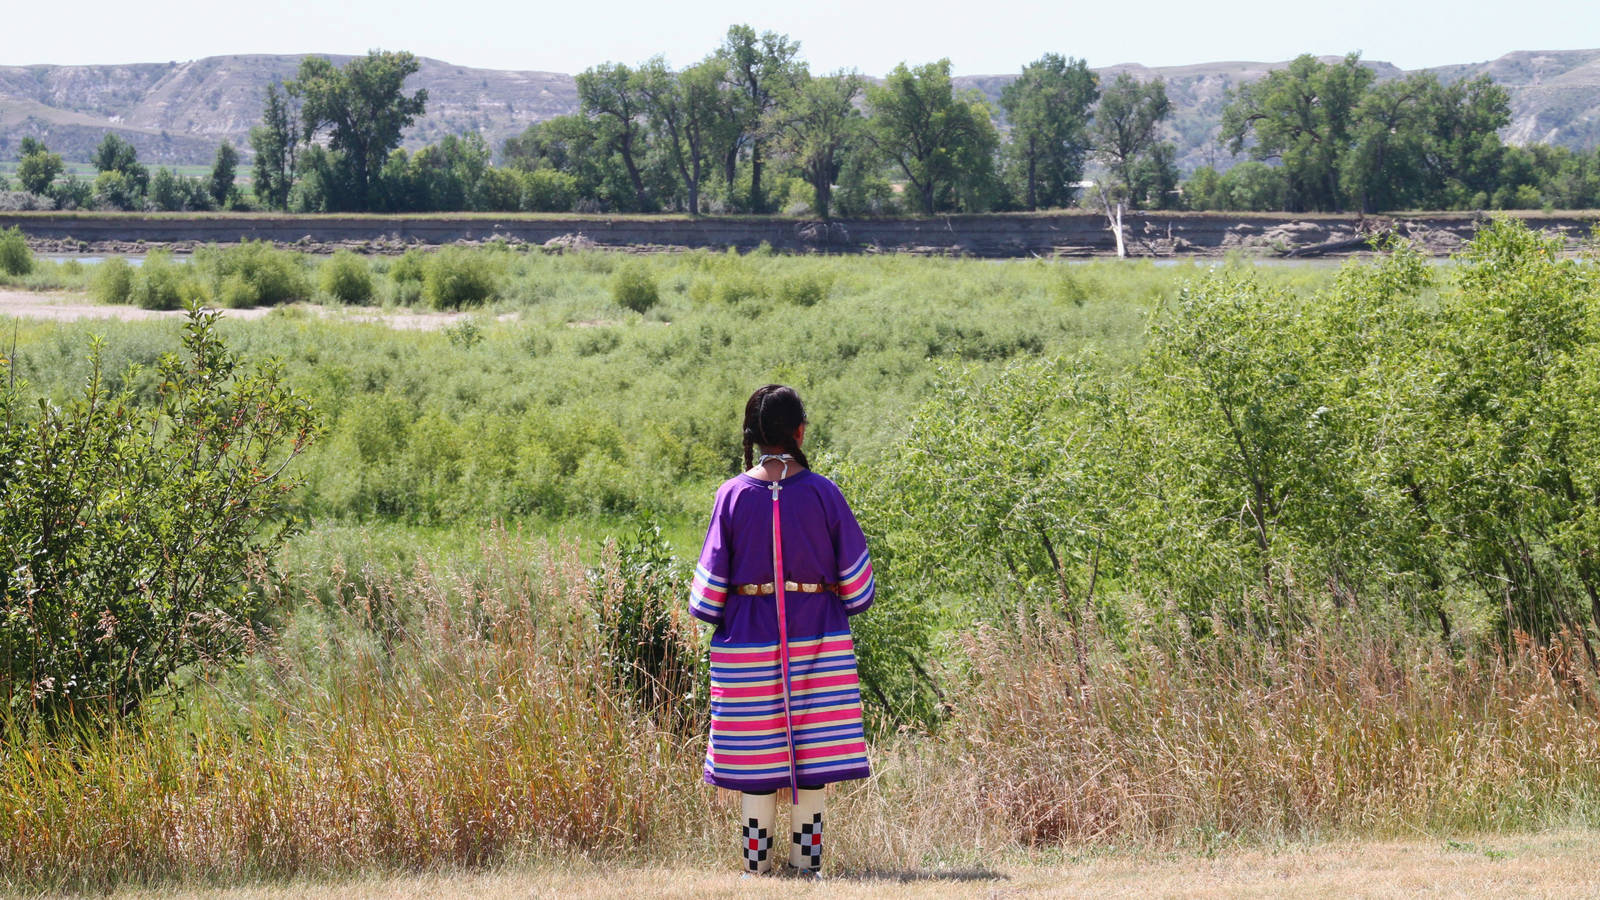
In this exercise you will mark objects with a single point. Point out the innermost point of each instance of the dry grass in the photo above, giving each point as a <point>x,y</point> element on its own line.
<point>469,718</point>
<point>1330,732</point>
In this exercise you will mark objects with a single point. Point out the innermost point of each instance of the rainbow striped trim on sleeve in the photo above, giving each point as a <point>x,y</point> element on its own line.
<point>706,595</point>
<point>857,586</point>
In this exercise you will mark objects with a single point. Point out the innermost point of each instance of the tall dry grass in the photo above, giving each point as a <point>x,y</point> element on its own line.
<point>1329,732</point>
<point>470,715</point>
<point>441,718</point>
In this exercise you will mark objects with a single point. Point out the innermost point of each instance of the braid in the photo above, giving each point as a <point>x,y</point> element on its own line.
<point>794,450</point>
<point>749,456</point>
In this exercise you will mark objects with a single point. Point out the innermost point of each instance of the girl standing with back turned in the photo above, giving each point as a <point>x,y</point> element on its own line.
<point>783,568</point>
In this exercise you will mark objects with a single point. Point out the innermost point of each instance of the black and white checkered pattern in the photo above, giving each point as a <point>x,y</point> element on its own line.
<point>757,845</point>
<point>809,840</point>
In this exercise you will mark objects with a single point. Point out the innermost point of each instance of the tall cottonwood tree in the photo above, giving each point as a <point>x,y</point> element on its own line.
<point>1382,169</point>
<point>939,141</point>
<point>115,154</point>
<point>274,142</point>
<point>610,95</point>
<point>37,167</point>
<point>1048,110</point>
<point>362,108</point>
<point>1124,129</point>
<point>816,124</point>
<point>1462,152</point>
<point>685,109</point>
<point>1344,140</point>
<point>223,169</point>
<point>761,68</point>
<point>1305,117</point>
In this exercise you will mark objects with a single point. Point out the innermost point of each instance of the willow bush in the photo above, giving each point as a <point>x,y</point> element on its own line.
<point>15,257</point>
<point>127,527</point>
<point>1409,446</point>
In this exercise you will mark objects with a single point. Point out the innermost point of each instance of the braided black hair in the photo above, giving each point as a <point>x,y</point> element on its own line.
<point>772,415</point>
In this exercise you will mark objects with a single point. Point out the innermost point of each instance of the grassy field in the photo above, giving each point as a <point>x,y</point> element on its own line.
<point>1093,667</point>
<point>525,417</point>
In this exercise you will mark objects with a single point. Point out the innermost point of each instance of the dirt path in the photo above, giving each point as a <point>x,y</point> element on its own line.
<point>1561,864</point>
<point>68,307</point>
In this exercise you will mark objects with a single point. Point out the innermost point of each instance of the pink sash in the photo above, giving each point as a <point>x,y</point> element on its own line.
<point>783,638</point>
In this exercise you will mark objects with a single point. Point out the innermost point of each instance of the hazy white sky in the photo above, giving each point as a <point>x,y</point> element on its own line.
<point>979,36</point>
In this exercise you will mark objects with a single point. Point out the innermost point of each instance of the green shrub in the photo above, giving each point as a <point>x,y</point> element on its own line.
<point>112,281</point>
<point>798,197</point>
<point>252,273</point>
<point>595,262</point>
<point>346,278</point>
<point>15,258</point>
<point>547,190</point>
<point>737,287</point>
<point>1069,289</point>
<point>804,288</point>
<point>456,278</point>
<point>466,334</point>
<point>162,284</point>
<point>403,293</point>
<point>134,557</point>
<point>633,287</point>
<point>639,582</point>
<point>235,293</point>
<point>411,266</point>
<point>726,280</point>
<point>118,191</point>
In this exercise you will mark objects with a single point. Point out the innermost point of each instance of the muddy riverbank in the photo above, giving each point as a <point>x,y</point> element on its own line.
<point>1147,235</point>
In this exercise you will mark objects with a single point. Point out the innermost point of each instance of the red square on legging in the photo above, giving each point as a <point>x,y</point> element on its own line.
<point>755,844</point>
<point>815,839</point>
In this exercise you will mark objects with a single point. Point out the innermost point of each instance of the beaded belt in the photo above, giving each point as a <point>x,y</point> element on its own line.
<point>750,590</point>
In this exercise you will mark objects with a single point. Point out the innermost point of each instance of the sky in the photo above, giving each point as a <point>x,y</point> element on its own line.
<point>979,36</point>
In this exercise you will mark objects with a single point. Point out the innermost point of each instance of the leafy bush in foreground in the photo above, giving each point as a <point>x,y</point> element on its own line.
<point>1418,450</point>
<point>648,644</point>
<point>411,266</point>
<point>127,529</point>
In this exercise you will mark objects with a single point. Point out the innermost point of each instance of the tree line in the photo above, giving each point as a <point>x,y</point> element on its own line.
<point>121,182</point>
<point>750,129</point>
<point>1330,137</point>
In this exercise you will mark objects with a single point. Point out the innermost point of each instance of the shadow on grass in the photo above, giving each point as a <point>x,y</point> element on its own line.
<point>908,876</point>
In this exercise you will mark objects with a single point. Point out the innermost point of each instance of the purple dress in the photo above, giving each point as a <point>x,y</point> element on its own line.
<point>750,744</point>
